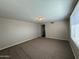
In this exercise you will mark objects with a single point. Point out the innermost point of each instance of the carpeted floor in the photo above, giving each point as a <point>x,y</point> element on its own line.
<point>40,48</point>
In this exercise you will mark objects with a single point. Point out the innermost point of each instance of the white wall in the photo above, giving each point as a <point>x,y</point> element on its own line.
<point>13,32</point>
<point>57,30</point>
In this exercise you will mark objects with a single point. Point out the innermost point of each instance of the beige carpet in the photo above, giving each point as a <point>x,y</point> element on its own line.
<point>40,48</point>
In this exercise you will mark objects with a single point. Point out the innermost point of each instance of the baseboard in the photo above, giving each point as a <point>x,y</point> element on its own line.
<point>18,42</point>
<point>74,52</point>
<point>57,38</point>
<point>74,48</point>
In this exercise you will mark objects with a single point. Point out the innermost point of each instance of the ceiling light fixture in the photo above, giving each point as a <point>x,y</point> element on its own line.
<point>40,18</point>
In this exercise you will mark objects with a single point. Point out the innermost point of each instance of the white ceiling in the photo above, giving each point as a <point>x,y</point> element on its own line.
<point>29,9</point>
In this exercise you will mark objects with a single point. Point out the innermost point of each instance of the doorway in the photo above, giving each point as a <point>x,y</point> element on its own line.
<point>43,30</point>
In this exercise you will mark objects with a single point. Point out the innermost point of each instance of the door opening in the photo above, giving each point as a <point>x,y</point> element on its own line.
<point>43,30</point>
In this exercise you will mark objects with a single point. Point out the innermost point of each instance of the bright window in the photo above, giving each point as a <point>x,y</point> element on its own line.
<point>74,20</point>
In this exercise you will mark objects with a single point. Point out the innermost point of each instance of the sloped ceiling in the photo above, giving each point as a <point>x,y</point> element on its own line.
<point>28,10</point>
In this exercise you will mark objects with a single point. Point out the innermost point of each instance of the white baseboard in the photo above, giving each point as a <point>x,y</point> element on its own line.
<point>16,43</point>
<point>74,49</point>
<point>57,38</point>
<point>74,53</point>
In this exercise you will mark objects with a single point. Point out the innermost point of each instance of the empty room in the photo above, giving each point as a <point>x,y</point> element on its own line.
<point>39,29</point>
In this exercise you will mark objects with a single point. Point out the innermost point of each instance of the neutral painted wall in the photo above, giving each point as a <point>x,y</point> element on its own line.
<point>57,30</point>
<point>13,32</point>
